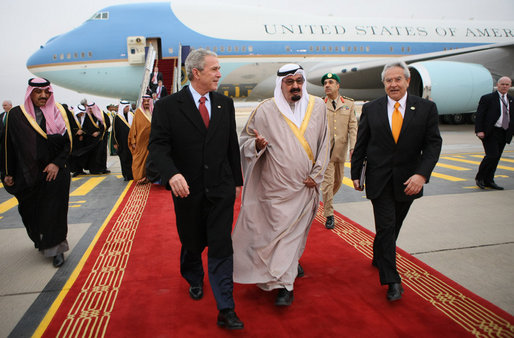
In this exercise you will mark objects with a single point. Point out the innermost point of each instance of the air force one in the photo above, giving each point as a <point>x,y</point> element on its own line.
<point>452,63</point>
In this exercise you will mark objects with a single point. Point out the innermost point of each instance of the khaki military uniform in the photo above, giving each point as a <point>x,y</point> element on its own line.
<point>342,126</point>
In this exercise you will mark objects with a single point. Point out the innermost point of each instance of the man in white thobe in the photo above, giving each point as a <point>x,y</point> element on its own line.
<point>284,152</point>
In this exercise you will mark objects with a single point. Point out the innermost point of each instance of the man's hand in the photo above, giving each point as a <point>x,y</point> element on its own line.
<point>9,181</point>
<point>115,146</point>
<point>357,185</point>
<point>51,171</point>
<point>260,141</point>
<point>238,192</point>
<point>96,133</point>
<point>179,186</point>
<point>481,135</point>
<point>80,132</point>
<point>309,182</point>
<point>414,184</point>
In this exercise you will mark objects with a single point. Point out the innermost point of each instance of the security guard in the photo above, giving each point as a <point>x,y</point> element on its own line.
<point>342,126</point>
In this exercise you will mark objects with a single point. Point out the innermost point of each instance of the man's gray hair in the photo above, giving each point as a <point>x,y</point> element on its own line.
<point>196,59</point>
<point>10,102</point>
<point>400,64</point>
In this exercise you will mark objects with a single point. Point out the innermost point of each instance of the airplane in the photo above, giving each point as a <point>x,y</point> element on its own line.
<point>452,63</point>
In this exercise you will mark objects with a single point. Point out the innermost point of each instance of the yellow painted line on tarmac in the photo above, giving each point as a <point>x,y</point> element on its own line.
<point>454,158</point>
<point>119,176</point>
<point>448,177</point>
<point>9,204</point>
<point>76,178</point>
<point>507,160</point>
<point>453,167</point>
<point>1,185</point>
<point>348,182</point>
<point>86,187</point>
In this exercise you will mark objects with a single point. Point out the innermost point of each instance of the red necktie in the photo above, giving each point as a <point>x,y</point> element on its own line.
<point>203,111</point>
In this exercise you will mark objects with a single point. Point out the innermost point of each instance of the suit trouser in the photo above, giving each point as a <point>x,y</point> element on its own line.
<point>332,181</point>
<point>389,215</point>
<point>493,147</point>
<point>210,220</point>
<point>220,272</point>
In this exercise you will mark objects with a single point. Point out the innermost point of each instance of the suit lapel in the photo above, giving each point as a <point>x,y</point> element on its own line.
<point>216,111</point>
<point>383,116</point>
<point>188,108</point>
<point>410,113</point>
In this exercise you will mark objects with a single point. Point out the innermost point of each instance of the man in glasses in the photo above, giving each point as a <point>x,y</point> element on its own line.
<point>284,152</point>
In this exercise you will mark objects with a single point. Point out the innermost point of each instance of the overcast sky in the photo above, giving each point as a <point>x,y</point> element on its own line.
<point>27,24</point>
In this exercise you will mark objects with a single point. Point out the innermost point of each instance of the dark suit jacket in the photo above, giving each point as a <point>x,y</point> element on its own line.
<point>208,159</point>
<point>416,152</point>
<point>164,92</point>
<point>489,111</point>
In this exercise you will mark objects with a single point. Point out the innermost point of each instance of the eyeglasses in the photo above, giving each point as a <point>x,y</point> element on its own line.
<point>290,82</point>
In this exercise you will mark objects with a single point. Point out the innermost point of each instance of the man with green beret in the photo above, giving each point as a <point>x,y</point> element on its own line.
<point>342,127</point>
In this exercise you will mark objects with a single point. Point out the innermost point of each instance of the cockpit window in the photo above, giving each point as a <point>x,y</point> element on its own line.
<point>100,16</point>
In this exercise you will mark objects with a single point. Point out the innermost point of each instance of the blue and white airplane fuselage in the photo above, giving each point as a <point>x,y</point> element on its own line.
<point>252,43</point>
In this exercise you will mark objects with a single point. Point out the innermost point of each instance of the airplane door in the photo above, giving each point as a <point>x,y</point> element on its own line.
<point>136,50</point>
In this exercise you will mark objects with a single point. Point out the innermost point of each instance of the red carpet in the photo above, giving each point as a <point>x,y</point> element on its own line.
<point>130,286</point>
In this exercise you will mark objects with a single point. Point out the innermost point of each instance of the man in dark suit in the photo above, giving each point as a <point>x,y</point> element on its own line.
<point>160,90</point>
<point>194,145</point>
<point>155,76</point>
<point>494,126</point>
<point>399,137</point>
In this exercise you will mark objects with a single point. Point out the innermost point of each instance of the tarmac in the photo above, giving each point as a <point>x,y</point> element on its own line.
<point>469,237</point>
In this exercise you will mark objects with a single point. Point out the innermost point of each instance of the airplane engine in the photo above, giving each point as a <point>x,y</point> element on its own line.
<point>456,87</point>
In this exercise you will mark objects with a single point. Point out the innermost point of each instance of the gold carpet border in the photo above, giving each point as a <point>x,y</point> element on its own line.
<point>91,311</point>
<point>472,316</point>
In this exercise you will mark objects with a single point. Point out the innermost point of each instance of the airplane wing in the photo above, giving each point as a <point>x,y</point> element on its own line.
<point>367,74</point>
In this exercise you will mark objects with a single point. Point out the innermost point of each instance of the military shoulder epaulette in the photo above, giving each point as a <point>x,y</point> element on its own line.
<point>347,98</point>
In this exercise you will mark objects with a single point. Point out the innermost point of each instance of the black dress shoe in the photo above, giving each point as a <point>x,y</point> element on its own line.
<point>228,319</point>
<point>284,297</point>
<point>77,173</point>
<point>196,292</point>
<point>480,184</point>
<point>395,291</point>
<point>58,260</point>
<point>329,224</point>
<point>106,171</point>
<point>494,186</point>
<point>301,273</point>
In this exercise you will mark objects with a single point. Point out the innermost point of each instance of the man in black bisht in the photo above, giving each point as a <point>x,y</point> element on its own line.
<point>35,171</point>
<point>120,130</point>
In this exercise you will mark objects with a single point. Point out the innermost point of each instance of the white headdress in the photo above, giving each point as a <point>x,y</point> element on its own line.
<point>300,106</point>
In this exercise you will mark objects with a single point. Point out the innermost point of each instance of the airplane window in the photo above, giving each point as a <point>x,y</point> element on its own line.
<point>342,49</point>
<point>222,49</point>
<point>324,48</point>
<point>100,16</point>
<point>61,57</point>
<point>311,48</point>
<point>68,56</point>
<point>317,48</point>
<point>250,48</point>
<point>229,49</point>
<point>82,55</point>
<point>214,48</point>
<point>243,49</point>
<point>236,49</point>
<point>90,54</point>
<point>367,48</point>
<point>336,48</point>
<point>354,48</point>
<point>362,48</point>
<point>391,49</point>
<point>408,49</point>
<point>55,57</point>
<point>75,55</point>
<point>288,49</point>
<point>330,48</point>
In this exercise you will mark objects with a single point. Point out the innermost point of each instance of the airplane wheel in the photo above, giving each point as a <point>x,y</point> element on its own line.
<point>458,118</point>
<point>447,119</point>
<point>471,118</point>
